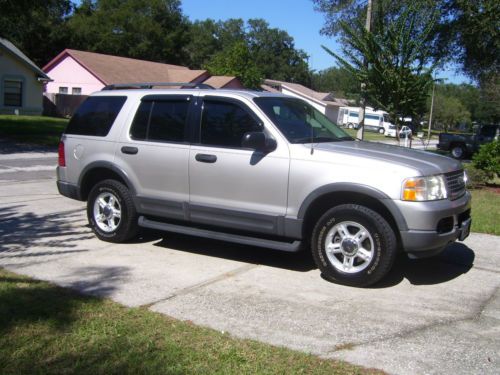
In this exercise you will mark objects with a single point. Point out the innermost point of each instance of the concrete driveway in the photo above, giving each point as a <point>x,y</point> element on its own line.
<point>435,316</point>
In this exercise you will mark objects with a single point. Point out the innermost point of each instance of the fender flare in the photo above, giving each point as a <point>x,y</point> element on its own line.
<point>369,191</point>
<point>106,165</point>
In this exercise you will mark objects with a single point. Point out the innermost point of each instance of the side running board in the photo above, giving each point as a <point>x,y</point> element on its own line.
<point>221,236</point>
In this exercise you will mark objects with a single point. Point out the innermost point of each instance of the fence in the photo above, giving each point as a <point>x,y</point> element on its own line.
<point>61,105</point>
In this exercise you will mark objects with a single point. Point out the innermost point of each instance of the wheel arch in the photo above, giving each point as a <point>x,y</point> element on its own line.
<point>99,171</point>
<point>326,197</point>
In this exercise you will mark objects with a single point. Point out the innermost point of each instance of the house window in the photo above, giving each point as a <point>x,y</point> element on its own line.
<point>76,91</point>
<point>13,93</point>
<point>63,90</point>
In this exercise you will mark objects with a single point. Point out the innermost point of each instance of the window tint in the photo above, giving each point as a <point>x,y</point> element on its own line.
<point>96,115</point>
<point>224,124</point>
<point>139,128</point>
<point>168,120</point>
<point>163,121</point>
<point>372,117</point>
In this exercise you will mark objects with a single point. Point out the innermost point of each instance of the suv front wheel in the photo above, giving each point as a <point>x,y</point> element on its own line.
<point>111,212</point>
<point>353,245</point>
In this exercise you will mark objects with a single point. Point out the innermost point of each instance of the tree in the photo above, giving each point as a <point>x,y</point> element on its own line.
<point>275,54</point>
<point>236,61</point>
<point>153,30</point>
<point>272,50</point>
<point>393,64</point>
<point>38,28</point>
<point>339,81</point>
<point>448,112</point>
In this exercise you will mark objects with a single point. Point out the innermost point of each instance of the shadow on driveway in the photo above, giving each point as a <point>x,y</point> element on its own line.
<point>27,235</point>
<point>455,260</point>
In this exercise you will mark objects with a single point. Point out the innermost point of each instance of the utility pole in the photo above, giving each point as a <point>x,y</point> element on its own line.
<point>361,129</point>
<point>430,114</point>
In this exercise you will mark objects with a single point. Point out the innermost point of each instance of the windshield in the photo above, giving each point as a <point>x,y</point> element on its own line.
<point>300,122</point>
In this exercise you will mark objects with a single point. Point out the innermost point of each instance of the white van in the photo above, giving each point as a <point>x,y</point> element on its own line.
<point>375,121</point>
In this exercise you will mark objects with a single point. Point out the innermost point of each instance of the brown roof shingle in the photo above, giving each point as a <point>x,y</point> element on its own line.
<point>115,69</point>
<point>219,81</point>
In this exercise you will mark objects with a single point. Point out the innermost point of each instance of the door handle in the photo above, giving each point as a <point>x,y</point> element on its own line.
<point>206,158</point>
<point>130,150</point>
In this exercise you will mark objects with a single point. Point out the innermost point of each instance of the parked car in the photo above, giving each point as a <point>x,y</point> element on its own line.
<point>463,145</point>
<point>259,169</point>
<point>375,121</point>
<point>405,132</point>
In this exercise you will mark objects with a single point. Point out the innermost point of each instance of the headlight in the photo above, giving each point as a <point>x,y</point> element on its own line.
<point>428,188</point>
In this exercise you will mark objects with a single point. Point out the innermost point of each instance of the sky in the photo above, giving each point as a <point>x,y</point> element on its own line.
<point>297,17</point>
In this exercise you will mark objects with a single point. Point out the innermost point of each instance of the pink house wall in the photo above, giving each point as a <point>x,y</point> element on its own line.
<point>68,73</point>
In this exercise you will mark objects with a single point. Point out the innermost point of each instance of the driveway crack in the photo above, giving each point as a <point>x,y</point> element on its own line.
<point>200,285</point>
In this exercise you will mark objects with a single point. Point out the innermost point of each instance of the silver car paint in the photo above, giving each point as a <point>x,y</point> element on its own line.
<point>277,184</point>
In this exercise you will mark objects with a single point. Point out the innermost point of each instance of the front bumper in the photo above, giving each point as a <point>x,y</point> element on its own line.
<point>433,225</point>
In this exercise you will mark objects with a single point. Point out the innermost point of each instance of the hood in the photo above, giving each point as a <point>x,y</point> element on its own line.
<point>426,163</point>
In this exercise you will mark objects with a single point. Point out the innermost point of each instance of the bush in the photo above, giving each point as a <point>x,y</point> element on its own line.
<point>477,177</point>
<point>488,159</point>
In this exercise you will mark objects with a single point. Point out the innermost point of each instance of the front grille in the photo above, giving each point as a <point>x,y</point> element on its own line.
<point>455,183</point>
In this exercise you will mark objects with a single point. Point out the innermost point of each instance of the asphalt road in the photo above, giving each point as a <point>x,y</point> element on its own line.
<point>434,316</point>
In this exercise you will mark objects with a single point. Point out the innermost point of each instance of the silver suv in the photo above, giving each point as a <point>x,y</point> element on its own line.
<point>258,169</point>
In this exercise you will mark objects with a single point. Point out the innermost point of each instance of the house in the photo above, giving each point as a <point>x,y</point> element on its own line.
<point>82,73</point>
<point>322,101</point>
<point>21,82</point>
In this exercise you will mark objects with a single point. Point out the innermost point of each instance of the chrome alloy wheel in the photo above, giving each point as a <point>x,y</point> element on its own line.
<point>349,247</point>
<point>107,212</point>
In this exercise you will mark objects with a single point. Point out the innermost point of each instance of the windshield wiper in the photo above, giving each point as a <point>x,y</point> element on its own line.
<point>348,138</point>
<point>314,139</point>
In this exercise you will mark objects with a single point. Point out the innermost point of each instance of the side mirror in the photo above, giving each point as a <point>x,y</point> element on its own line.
<point>258,141</point>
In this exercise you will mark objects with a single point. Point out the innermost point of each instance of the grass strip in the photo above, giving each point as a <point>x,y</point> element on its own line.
<point>45,329</point>
<point>486,211</point>
<point>40,130</point>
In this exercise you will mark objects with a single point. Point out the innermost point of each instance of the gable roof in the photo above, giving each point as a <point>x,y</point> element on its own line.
<point>219,82</point>
<point>8,46</point>
<point>322,97</point>
<point>111,69</point>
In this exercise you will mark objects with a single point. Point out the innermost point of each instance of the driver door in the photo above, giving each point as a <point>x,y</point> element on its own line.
<point>231,186</point>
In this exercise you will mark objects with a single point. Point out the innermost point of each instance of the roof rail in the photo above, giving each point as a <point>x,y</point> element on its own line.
<point>150,85</point>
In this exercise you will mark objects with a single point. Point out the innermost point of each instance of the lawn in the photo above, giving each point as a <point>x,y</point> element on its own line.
<point>47,329</point>
<point>39,130</point>
<point>486,211</point>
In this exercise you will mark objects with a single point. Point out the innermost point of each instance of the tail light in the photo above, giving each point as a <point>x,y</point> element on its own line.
<point>62,157</point>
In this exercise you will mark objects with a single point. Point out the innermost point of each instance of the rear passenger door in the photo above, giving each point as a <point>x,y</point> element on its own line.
<point>155,152</point>
<point>229,185</point>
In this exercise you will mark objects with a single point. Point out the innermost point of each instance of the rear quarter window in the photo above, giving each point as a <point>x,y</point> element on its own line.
<point>96,115</point>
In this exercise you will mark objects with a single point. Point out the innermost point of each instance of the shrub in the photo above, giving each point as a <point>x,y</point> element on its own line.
<point>488,159</point>
<point>477,177</point>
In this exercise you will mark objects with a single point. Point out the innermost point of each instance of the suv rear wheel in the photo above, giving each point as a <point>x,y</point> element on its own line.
<point>353,245</point>
<point>111,212</point>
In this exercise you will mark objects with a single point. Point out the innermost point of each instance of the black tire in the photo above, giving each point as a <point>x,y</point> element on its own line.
<point>119,229</point>
<point>458,151</point>
<point>381,130</point>
<point>382,245</point>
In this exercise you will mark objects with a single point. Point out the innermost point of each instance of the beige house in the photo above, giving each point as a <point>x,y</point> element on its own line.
<point>21,82</point>
<point>322,101</point>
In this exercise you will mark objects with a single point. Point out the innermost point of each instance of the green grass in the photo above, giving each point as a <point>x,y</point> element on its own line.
<point>39,130</point>
<point>47,329</point>
<point>486,211</point>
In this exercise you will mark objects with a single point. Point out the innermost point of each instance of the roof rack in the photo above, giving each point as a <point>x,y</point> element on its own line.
<point>150,85</point>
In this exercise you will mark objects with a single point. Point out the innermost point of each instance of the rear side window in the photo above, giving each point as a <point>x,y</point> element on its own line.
<point>161,121</point>
<point>96,115</point>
